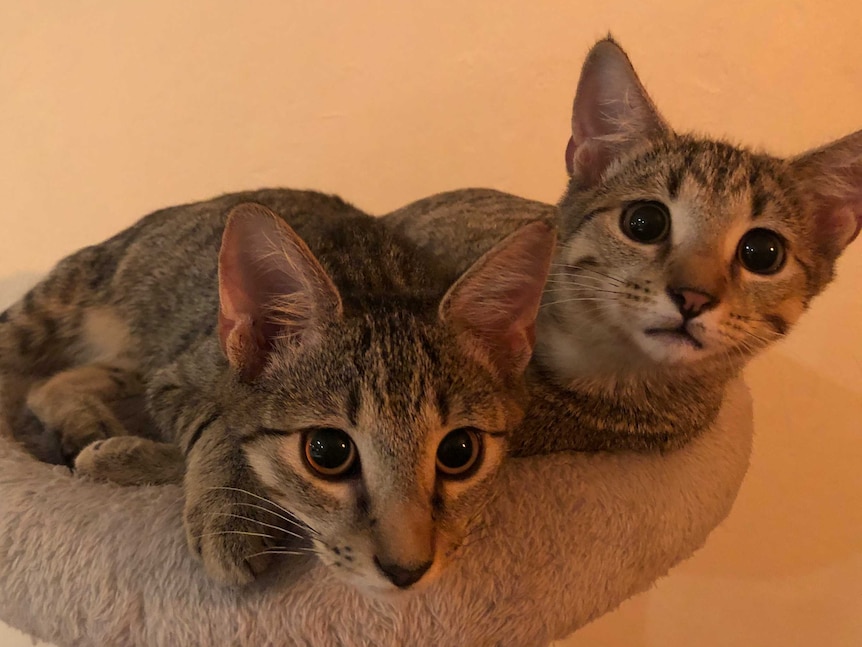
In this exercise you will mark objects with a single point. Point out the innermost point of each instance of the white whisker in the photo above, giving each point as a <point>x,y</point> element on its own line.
<point>576,275</point>
<point>256,496</point>
<point>583,268</point>
<point>235,532</point>
<point>573,299</point>
<point>299,524</point>
<point>298,553</point>
<point>577,287</point>
<point>267,525</point>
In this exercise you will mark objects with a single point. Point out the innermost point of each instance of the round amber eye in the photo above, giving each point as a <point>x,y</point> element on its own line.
<point>458,452</point>
<point>330,452</point>
<point>646,222</point>
<point>761,251</point>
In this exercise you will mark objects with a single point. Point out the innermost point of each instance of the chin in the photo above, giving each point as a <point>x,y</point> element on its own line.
<point>384,591</point>
<point>373,585</point>
<point>671,350</point>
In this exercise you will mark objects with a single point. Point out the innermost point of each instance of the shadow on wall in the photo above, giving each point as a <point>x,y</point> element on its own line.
<point>798,511</point>
<point>792,533</point>
<point>798,507</point>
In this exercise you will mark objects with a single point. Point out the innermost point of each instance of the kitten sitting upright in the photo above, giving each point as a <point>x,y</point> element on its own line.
<point>679,257</point>
<point>337,385</point>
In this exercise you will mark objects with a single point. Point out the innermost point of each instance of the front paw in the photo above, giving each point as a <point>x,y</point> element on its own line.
<point>129,460</point>
<point>229,536</point>
<point>94,463</point>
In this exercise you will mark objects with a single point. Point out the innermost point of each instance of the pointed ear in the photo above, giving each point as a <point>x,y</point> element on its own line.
<point>612,112</point>
<point>270,287</point>
<point>493,306</point>
<point>831,177</point>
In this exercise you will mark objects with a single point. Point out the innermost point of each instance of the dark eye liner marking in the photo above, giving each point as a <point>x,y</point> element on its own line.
<point>196,436</point>
<point>594,214</point>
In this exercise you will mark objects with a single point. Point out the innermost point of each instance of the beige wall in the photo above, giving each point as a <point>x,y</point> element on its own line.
<point>110,109</point>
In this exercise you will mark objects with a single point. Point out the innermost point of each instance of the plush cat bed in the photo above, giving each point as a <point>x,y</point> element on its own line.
<point>568,539</point>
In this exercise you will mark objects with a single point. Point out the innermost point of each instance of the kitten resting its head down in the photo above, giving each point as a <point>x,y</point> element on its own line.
<point>377,417</point>
<point>682,253</point>
<point>322,376</point>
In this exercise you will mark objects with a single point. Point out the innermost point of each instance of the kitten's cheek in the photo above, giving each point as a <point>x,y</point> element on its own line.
<point>632,318</point>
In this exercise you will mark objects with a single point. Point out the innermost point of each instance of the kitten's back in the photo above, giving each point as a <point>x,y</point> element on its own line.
<point>457,227</point>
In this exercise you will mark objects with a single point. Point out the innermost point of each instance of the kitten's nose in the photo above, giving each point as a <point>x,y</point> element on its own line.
<point>691,302</point>
<point>400,576</point>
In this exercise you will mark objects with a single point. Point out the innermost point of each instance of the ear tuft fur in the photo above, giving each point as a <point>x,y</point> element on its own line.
<point>611,113</point>
<point>831,177</point>
<point>493,306</point>
<point>270,287</point>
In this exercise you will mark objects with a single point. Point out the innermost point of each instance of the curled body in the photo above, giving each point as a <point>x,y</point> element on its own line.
<point>319,387</point>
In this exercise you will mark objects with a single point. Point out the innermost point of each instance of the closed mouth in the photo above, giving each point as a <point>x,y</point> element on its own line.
<point>679,335</point>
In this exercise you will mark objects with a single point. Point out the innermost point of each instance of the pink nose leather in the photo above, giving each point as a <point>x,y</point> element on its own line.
<point>694,300</point>
<point>691,302</point>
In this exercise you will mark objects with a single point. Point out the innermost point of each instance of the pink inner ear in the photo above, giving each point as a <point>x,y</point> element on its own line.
<point>570,156</point>
<point>856,233</point>
<point>839,224</point>
<point>494,305</point>
<point>832,176</point>
<point>270,287</point>
<point>853,204</point>
<point>857,209</point>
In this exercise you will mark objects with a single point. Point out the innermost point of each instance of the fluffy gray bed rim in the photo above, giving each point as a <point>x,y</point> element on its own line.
<point>570,537</point>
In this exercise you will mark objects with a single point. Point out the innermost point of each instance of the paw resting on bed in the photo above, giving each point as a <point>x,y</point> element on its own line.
<point>128,460</point>
<point>233,532</point>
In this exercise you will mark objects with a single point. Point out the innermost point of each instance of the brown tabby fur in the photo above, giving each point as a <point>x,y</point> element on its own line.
<point>136,313</point>
<point>599,383</point>
<point>362,338</point>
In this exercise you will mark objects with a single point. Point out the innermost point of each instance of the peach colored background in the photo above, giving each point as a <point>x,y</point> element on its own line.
<point>109,110</point>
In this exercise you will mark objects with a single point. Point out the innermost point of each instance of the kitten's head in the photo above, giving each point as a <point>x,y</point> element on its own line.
<point>379,423</point>
<point>677,249</point>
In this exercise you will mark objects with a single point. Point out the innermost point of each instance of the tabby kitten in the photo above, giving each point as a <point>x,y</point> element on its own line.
<point>329,375</point>
<point>679,258</point>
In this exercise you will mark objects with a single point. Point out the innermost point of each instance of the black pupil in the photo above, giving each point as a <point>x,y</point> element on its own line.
<point>456,450</point>
<point>647,223</point>
<point>329,448</point>
<point>760,251</point>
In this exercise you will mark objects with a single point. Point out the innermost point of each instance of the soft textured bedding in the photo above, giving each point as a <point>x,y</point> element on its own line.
<point>568,538</point>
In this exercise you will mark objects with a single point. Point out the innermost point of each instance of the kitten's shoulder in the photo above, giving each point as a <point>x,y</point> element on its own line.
<point>459,226</point>
<point>365,257</point>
